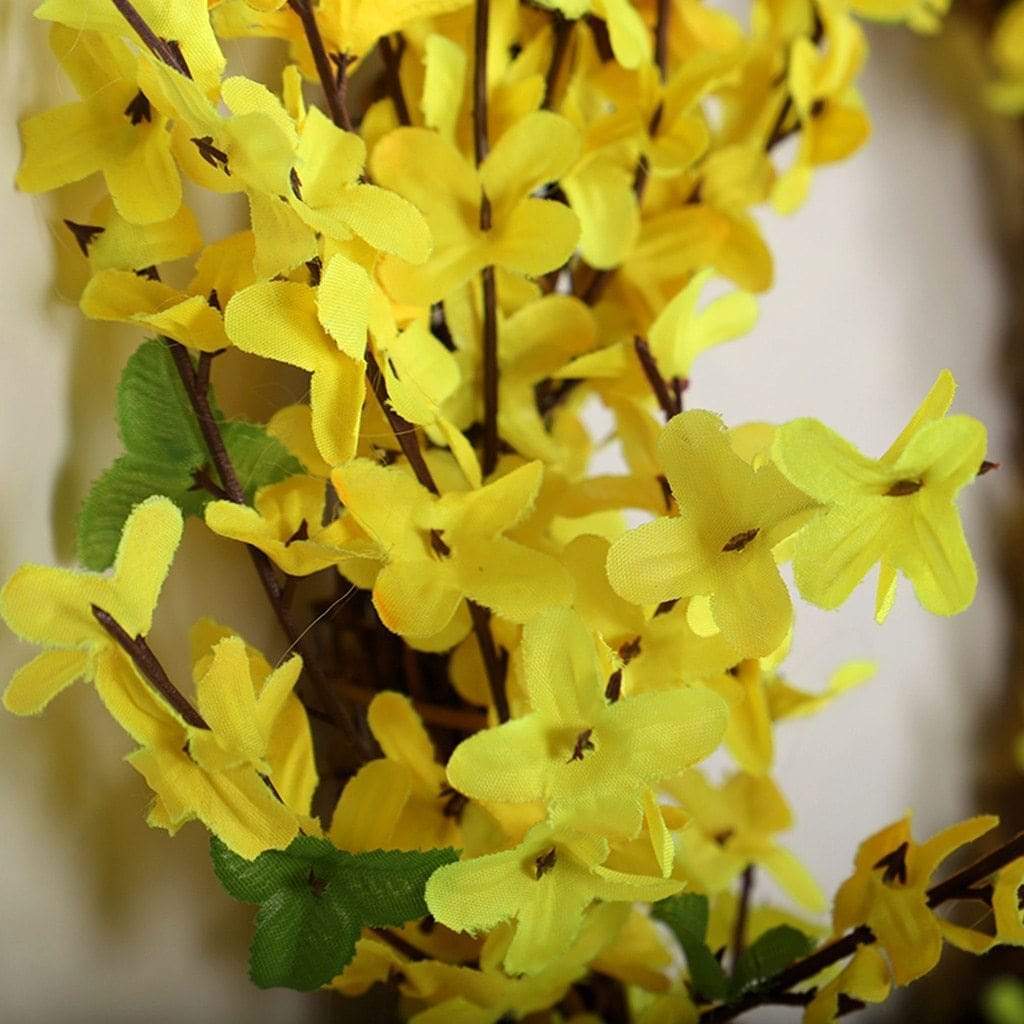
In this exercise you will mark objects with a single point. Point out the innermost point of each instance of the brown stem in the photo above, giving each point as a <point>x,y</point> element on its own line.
<point>661,37</point>
<point>392,63</point>
<point>481,145</point>
<point>149,665</point>
<point>958,886</point>
<point>304,10</point>
<point>494,665</point>
<point>404,431</point>
<point>264,567</point>
<point>658,383</point>
<point>739,935</point>
<point>562,29</point>
<point>160,48</point>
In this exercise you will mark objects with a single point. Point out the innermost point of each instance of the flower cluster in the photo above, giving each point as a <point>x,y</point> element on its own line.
<point>493,214</point>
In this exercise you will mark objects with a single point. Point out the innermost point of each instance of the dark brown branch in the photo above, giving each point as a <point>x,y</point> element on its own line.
<point>666,400</point>
<point>149,665</point>
<point>304,10</point>
<point>160,48</point>
<point>494,666</point>
<point>739,934</point>
<point>481,145</point>
<point>392,60</point>
<point>661,37</point>
<point>404,431</point>
<point>264,567</point>
<point>561,28</point>
<point>957,886</point>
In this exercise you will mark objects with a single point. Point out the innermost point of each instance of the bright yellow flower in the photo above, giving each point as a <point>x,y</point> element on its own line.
<point>528,236</point>
<point>897,510</point>
<point>400,801</point>
<point>438,551</point>
<point>54,608</point>
<point>185,23</point>
<point>286,524</point>
<point>546,883</point>
<point>865,977</point>
<point>296,324</point>
<point>575,747</point>
<point>114,131</point>
<point>888,892</point>
<point>192,316</point>
<point>720,545</point>
<point>732,827</point>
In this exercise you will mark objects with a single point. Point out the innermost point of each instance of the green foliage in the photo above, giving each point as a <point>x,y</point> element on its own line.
<point>315,900</point>
<point>687,916</point>
<point>163,450</point>
<point>1003,1001</point>
<point>767,955</point>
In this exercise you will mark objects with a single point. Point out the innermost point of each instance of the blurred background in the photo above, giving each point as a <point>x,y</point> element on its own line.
<point>904,261</point>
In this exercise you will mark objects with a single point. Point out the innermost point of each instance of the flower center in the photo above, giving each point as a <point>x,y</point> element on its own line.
<point>544,863</point>
<point>895,865</point>
<point>738,541</point>
<point>583,744</point>
<point>902,488</point>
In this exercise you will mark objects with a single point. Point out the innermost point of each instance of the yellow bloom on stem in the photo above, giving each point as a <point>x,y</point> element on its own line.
<point>192,316</point>
<point>720,545</point>
<point>286,524</point>
<point>295,324</point>
<point>55,608</point>
<point>527,236</point>
<point>574,745</point>
<point>114,131</point>
<point>545,883</point>
<point>400,801</point>
<point>888,892</point>
<point>249,777</point>
<point>897,510</point>
<point>438,551</point>
<point>865,977</point>
<point>733,826</point>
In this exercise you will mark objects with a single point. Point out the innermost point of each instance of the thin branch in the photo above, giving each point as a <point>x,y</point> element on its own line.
<point>160,48</point>
<point>304,10</point>
<point>392,60</point>
<point>149,665</point>
<point>404,431</point>
<point>961,884</point>
<point>464,720</point>
<point>494,666</point>
<point>562,29</point>
<point>481,145</point>
<point>264,567</point>
<point>661,38</point>
<point>666,400</point>
<point>739,935</point>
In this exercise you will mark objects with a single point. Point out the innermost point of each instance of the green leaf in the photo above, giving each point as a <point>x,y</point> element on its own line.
<point>687,916</point>
<point>163,449</point>
<point>769,954</point>
<point>315,900</point>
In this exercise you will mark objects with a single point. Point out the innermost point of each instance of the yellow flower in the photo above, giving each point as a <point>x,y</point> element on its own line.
<point>897,510</point>
<point>192,316</point>
<point>733,826</point>
<point>888,892</point>
<point>224,776</point>
<point>865,977</point>
<point>921,15</point>
<point>528,236</point>
<point>399,801</point>
<point>545,883</point>
<point>186,23</point>
<point>286,524</point>
<point>295,324</point>
<point>440,550</point>
<point>114,131</point>
<point>55,608</point>
<point>1006,93</point>
<point>630,39</point>
<point>575,747</point>
<point>720,545</point>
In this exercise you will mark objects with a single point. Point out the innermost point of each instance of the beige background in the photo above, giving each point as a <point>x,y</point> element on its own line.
<point>886,276</point>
